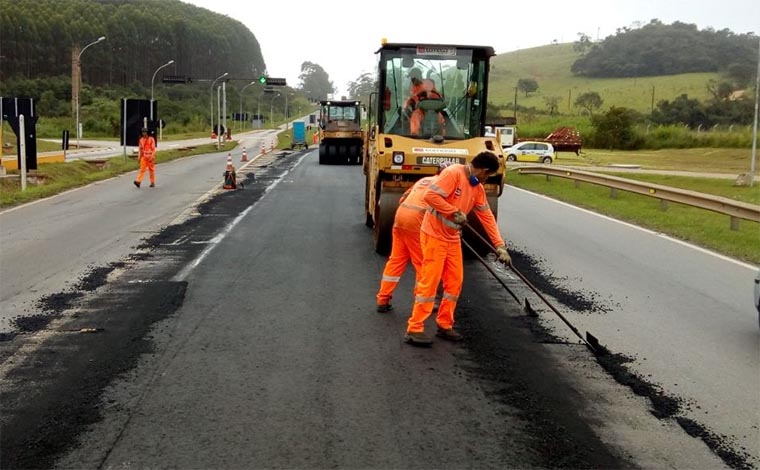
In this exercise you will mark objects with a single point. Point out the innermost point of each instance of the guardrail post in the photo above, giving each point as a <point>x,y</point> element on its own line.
<point>577,184</point>
<point>613,193</point>
<point>663,205</point>
<point>734,223</point>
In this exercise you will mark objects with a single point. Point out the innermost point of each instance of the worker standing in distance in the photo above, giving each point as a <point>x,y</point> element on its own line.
<point>405,244</point>
<point>454,193</point>
<point>146,156</point>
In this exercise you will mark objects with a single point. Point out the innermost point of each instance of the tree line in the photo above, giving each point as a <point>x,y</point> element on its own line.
<point>661,49</point>
<point>39,36</point>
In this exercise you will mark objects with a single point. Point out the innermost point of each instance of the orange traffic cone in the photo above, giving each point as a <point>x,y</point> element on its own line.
<point>244,157</point>
<point>213,135</point>
<point>230,178</point>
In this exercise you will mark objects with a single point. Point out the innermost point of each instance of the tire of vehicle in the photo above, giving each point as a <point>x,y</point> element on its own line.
<point>511,158</point>
<point>368,217</point>
<point>354,155</point>
<point>322,155</point>
<point>547,160</point>
<point>342,154</point>
<point>385,211</point>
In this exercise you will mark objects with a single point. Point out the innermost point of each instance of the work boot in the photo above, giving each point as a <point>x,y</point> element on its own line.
<point>152,185</point>
<point>449,334</point>
<point>384,308</point>
<point>418,339</point>
<point>137,183</point>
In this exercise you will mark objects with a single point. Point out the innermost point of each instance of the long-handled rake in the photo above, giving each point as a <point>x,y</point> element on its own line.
<point>589,340</point>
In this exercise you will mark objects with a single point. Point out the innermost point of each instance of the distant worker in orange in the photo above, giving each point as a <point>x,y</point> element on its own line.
<point>405,246</point>
<point>455,192</point>
<point>146,155</point>
<point>421,89</point>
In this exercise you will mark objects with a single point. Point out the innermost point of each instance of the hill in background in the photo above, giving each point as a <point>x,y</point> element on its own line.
<point>551,66</point>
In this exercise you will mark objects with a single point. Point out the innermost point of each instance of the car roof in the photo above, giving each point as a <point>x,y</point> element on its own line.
<point>532,142</point>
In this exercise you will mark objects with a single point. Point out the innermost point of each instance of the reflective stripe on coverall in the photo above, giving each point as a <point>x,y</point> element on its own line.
<point>147,157</point>
<point>441,245</point>
<point>405,245</point>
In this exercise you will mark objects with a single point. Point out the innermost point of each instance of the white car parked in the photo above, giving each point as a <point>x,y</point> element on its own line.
<point>541,152</point>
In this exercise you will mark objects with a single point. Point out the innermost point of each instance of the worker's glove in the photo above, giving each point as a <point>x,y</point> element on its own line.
<point>503,256</point>
<point>459,218</point>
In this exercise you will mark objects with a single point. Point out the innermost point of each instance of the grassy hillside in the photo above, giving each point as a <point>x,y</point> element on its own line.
<point>550,67</point>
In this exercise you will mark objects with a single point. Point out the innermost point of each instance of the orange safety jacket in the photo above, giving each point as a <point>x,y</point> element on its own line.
<point>452,191</point>
<point>147,148</point>
<point>411,209</point>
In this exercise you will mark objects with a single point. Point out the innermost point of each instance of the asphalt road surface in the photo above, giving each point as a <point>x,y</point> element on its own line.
<point>245,336</point>
<point>47,244</point>
<point>680,317</point>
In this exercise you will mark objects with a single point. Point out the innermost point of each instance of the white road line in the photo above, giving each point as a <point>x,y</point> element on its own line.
<point>651,232</point>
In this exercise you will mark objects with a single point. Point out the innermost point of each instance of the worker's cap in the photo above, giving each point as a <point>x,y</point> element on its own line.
<point>442,166</point>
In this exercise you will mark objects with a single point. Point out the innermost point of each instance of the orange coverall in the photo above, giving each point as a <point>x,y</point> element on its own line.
<point>405,246</point>
<point>421,90</point>
<point>147,157</point>
<point>441,246</point>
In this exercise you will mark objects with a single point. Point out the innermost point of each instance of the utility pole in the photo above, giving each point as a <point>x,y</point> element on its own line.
<point>754,131</point>
<point>515,115</point>
<point>224,109</point>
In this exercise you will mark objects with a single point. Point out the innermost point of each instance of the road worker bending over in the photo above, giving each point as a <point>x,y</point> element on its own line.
<point>405,244</point>
<point>146,155</point>
<point>454,193</point>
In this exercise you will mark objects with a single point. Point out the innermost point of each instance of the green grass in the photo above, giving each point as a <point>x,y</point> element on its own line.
<point>550,67</point>
<point>697,160</point>
<point>59,177</point>
<point>700,227</point>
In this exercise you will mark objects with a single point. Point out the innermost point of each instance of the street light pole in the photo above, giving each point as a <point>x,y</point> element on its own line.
<point>211,99</point>
<point>271,109</point>
<point>79,80</point>
<point>258,109</point>
<point>240,115</point>
<point>754,131</point>
<point>151,85</point>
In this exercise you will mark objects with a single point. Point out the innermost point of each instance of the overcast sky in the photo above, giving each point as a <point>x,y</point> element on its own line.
<point>342,36</point>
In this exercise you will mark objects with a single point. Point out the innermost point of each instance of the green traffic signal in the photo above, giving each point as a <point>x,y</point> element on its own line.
<point>263,79</point>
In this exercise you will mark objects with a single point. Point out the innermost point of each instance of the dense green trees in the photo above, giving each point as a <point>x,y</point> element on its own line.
<point>660,49</point>
<point>316,84</point>
<point>38,37</point>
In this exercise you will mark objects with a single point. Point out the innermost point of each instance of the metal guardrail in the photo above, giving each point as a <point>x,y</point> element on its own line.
<point>734,209</point>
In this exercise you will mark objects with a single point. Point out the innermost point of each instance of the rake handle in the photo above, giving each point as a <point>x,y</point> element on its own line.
<point>528,283</point>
